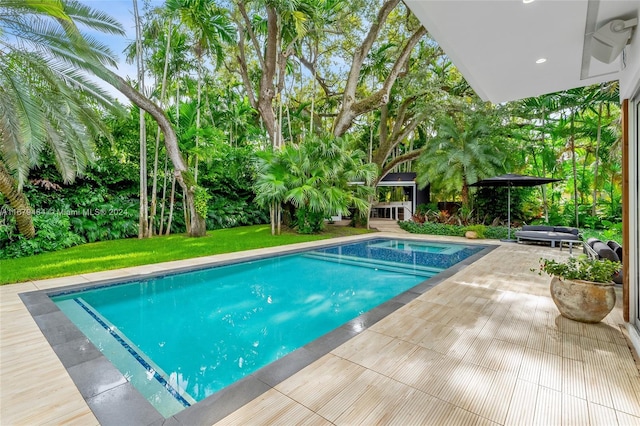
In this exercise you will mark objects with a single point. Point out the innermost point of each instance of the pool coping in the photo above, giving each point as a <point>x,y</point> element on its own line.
<point>114,400</point>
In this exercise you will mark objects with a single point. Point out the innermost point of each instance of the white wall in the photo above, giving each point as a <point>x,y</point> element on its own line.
<point>633,231</point>
<point>630,76</point>
<point>630,89</point>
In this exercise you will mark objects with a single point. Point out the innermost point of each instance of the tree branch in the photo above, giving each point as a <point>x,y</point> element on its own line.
<point>382,96</point>
<point>362,51</point>
<point>321,81</point>
<point>412,155</point>
<point>244,74</point>
<point>352,108</point>
<point>252,35</point>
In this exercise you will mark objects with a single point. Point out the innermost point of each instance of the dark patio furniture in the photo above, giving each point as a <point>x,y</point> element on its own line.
<point>545,233</point>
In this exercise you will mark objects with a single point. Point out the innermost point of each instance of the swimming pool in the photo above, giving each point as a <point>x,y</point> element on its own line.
<point>181,338</point>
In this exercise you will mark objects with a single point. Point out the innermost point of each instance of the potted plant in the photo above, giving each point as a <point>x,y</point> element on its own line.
<point>582,288</point>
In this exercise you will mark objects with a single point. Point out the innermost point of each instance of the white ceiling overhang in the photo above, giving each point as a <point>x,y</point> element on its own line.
<point>495,43</point>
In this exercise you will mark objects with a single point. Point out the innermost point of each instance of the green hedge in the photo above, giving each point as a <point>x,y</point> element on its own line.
<point>491,232</point>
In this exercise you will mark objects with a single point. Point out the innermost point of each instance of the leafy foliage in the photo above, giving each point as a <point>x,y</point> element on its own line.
<point>53,233</point>
<point>309,222</point>
<point>491,203</point>
<point>45,103</point>
<point>480,230</point>
<point>225,212</point>
<point>316,178</point>
<point>430,110</point>
<point>492,232</point>
<point>581,268</point>
<point>465,149</point>
<point>201,200</point>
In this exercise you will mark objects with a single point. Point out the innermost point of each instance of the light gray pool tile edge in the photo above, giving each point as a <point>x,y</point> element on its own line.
<point>63,336</point>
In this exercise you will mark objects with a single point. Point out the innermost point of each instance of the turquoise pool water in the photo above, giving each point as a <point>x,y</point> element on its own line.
<point>180,338</point>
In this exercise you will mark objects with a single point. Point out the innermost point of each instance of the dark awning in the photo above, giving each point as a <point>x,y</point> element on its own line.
<point>514,180</point>
<point>510,180</point>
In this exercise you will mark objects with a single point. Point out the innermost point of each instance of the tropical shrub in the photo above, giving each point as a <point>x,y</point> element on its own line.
<point>432,228</point>
<point>580,268</point>
<point>228,178</point>
<point>423,209</point>
<point>228,213</point>
<point>113,219</point>
<point>497,232</point>
<point>103,205</point>
<point>491,203</point>
<point>480,230</point>
<point>53,232</point>
<point>316,179</point>
<point>309,222</point>
<point>491,232</point>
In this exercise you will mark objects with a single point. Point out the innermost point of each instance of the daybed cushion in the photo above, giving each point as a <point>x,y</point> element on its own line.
<point>566,229</point>
<point>608,251</point>
<point>548,235</point>
<point>605,252</point>
<point>537,228</point>
<point>591,241</point>
<point>617,248</point>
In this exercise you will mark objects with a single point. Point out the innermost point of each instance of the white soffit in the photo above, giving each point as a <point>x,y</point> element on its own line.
<point>495,43</point>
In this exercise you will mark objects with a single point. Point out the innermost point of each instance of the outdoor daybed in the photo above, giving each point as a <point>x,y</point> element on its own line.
<point>596,249</point>
<point>544,233</point>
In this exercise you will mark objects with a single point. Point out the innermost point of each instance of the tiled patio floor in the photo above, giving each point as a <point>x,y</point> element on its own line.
<point>487,346</point>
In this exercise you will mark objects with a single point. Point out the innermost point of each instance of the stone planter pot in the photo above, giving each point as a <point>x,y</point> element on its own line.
<point>583,301</point>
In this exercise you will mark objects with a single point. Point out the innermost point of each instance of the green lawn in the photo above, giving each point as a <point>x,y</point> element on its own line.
<point>116,254</point>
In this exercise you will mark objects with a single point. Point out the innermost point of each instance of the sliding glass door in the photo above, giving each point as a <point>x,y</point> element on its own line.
<point>634,216</point>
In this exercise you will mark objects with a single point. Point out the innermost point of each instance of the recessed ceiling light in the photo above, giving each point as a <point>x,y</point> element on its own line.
<point>541,61</point>
<point>527,1</point>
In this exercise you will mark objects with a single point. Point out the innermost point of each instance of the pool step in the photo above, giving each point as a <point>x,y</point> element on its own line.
<point>424,271</point>
<point>147,377</point>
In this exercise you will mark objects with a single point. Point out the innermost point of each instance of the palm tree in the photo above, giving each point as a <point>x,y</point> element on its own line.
<point>211,29</point>
<point>317,178</point>
<point>167,46</point>
<point>51,26</point>
<point>537,111</point>
<point>462,152</point>
<point>44,101</point>
<point>270,186</point>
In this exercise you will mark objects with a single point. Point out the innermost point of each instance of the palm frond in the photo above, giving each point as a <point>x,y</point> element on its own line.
<point>51,8</point>
<point>55,40</point>
<point>92,18</point>
<point>12,148</point>
<point>64,159</point>
<point>28,121</point>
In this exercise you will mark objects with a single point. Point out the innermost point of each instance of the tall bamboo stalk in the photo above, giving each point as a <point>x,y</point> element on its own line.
<point>144,212</point>
<point>154,190</point>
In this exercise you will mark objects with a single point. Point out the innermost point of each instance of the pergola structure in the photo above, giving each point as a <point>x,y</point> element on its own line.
<point>414,196</point>
<point>509,50</point>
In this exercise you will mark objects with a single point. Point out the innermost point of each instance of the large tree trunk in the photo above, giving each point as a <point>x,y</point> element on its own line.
<point>184,178</point>
<point>268,58</point>
<point>404,123</point>
<point>351,106</point>
<point>18,202</point>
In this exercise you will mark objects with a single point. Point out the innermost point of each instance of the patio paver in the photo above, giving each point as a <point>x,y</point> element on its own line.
<point>485,347</point>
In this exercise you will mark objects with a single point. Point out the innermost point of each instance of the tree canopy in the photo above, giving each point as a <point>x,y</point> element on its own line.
<point>283,102</point>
